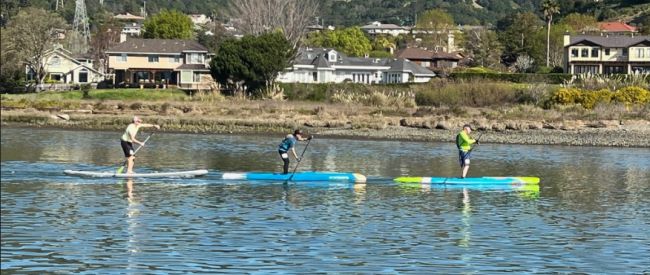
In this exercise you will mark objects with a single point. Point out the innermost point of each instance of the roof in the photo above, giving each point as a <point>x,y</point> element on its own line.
<point>128,16</point>
<point>403,65</point>
<point>616,27</point>
<point>422,54</point>
<point>383,26</point>
<point>317,57</point>
<point>614,41</point>
<point>414,54</point>
<point>137,45</point>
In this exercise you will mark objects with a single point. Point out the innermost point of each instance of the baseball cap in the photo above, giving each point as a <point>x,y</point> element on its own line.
<point>468,126</point>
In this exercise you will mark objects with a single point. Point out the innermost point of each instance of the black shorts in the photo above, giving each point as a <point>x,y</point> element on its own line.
<point>463,158</point>
<point>127,147</point>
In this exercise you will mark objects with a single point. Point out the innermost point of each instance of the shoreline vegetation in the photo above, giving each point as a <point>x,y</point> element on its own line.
<point>346,111</point>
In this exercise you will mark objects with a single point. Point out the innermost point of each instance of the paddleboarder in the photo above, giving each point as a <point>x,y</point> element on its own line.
<point>464,144</point>
<point>288,143</point>
<point>128,138</point>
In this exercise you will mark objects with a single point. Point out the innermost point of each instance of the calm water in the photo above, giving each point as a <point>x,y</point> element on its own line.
<point>591,214</point>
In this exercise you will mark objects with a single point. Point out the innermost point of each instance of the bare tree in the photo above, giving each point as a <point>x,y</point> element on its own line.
<point>106,36</point>
<point>523,63</point>
<point>32,34</point>
<point>291,17</point>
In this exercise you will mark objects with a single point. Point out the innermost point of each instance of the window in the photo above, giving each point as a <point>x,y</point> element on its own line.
<point>83,76</point>
<point>574,52</point>
<point>594,52</point>
<point>122,58</point>
<point>624,51</point>
<point>153,59</point>
<point>640,52</point>
<point>56,77</point>
<point>580,69</point>
<point>197,78</point>
<point>613,70</point>
<point>584,53</point>
<point>314,76</point>
<point>55,61</point>
<point>606,51</point>
<point>426,64</point>
<point>175,59</point>
<point>195,58</point>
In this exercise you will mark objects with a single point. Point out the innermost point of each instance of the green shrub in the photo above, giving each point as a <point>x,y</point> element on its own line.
<point>566,96</point>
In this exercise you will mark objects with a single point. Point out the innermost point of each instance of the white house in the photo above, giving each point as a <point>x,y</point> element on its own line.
<point>329,66</point>
<point>616,54</point>
<point>377,27</point>
<point>132,29</point>
<point>62,67</point>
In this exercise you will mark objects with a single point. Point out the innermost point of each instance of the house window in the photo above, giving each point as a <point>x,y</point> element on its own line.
<point>55,61</point>
<point>122,58</point>
<point>584,53</point>
<point>640,52</point>
<point>56,77</point>
<point>195,58</point>
<point>594,52</point>
<point>606,51</point>
<point>175,59</point>
<point>426,64</point>
<point>624,51</point>
<point>153,59</point>
<point>197,78</point>
<point>314,76</point>
<point>83,76</point>
<point>581,69</point>
<point>613,70</point>
<point>574,52</point>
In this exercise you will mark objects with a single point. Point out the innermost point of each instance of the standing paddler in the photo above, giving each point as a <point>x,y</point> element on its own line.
<point>288,143</point>
<point>127,140</point>
<point>464,143</point>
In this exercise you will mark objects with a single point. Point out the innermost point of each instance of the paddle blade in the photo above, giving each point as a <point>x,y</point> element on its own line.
<point>120,170</point>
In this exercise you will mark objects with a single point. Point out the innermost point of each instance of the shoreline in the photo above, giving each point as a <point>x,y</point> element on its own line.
<point>631,135</point>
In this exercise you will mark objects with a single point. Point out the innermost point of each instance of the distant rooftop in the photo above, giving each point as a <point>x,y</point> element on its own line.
<point>128,16</point>
<point>137,45</point>
<point>616,27</point>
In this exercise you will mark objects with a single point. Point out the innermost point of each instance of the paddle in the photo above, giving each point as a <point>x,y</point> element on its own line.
<point>121,169</point>
<point>299,160</point>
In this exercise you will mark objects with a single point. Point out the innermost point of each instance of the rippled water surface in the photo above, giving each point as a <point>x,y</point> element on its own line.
<point>590,215</point>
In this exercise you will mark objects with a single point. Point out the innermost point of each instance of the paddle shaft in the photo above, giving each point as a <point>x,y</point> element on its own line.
<point>477,140</point>
<point>119,170</point>
<point>299,160</point>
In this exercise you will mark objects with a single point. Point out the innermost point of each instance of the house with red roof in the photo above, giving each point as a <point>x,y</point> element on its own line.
<point>616,28</point>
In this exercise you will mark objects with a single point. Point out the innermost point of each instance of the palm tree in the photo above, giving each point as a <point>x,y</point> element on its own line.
<point>549,8</point>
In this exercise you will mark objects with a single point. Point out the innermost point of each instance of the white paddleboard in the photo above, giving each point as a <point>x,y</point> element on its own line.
<point>179,174</point>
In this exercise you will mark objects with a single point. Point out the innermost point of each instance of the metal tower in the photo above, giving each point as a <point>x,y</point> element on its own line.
<point>59,4</point>
<point>80,29</point>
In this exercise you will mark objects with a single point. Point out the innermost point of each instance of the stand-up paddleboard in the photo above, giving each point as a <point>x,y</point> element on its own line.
<point>299,176</point>
<point>179,174</point>
<point>479,181</point>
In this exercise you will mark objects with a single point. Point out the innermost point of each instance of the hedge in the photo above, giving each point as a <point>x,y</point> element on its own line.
<point>517,78</point>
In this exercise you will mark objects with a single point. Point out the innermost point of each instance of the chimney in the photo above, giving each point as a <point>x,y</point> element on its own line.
<point>122,37</point>
<point>567,39</point>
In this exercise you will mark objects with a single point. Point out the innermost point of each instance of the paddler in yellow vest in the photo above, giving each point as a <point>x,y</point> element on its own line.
<point>128,138</point>
<point>464,143</point>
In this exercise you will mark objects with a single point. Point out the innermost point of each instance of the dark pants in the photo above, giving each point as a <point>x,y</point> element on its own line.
<point>285,160</point>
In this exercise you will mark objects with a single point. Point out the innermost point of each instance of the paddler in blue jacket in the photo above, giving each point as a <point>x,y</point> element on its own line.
<point>288,143</point>
<point>464,143</point>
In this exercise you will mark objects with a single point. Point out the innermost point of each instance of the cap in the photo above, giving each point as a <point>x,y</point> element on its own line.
<point>468,126</point>
<point>136,119</point>
<point>297,132</point>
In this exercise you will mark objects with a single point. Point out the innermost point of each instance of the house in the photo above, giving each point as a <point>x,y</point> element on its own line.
<point>430,59</point>
<point>377,28</point>
<point>330,66</point>
<point>183,63</point>
<point>199,20</point>
<point>132,29</point>
<point>616,28</point>
<point>128,16</point>
<point>61,66</point>
<point>616,54</point>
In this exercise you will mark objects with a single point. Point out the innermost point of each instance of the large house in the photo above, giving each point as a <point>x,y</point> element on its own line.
<point>376,28</point>
<point>329,66</point>
<point>183,63</point>
<point>616,54</point>
<point>61,66</point>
